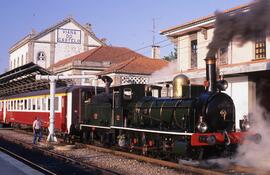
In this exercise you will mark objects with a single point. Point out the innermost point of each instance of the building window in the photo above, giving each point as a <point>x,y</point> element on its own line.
<point>223,56</point>
<point>193,54</point>
<point>260,47</point>
<point>41,56</point>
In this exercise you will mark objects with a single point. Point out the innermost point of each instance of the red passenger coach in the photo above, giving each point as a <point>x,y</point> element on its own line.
<point>22,109</point>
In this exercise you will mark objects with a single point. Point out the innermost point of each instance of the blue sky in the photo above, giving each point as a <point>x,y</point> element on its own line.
<point>127,23</point>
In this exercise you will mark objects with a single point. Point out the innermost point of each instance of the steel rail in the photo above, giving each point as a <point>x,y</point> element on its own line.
<point>27,162</point>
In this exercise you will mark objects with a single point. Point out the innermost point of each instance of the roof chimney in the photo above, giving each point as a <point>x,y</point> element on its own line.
<point>88,26</point>
<point>155,52</point>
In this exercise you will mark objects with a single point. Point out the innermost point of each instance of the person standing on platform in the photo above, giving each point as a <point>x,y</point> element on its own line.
<point>37,130</point>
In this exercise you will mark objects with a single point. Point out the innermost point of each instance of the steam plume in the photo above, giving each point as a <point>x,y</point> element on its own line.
<point>243,26</point>
<point>165,73</point>
<point>257,155</point>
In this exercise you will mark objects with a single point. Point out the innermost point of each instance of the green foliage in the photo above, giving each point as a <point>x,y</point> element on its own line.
<point>172,55</point>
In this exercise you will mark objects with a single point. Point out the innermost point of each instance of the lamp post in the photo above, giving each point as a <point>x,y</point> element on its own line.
<point>52,79</point>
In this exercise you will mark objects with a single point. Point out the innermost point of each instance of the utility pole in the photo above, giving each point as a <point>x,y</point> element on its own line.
<point>53,79</point>
<point>155,48</point>
<point>154,32</point>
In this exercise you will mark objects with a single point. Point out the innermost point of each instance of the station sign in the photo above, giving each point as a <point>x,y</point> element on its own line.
<point>69,36</point>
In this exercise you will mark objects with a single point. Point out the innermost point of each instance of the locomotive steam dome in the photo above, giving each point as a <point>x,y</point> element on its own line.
<point>178,82</point>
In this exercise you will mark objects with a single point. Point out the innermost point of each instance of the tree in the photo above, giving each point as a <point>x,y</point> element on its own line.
<point>172,55</point>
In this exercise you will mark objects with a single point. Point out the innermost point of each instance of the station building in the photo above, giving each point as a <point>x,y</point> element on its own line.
<point>245,67</point>
<point>68,48</point>
<point>62,40</point>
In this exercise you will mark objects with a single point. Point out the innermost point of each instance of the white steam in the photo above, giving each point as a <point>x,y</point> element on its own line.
<point>250,154</point>
<point>164,74</point>
<point>257,155</point>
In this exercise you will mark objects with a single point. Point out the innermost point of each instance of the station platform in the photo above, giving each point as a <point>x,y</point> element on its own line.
<point>11,166</point>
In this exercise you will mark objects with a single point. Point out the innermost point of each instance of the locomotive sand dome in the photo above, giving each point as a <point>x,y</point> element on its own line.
<point>179,82</point>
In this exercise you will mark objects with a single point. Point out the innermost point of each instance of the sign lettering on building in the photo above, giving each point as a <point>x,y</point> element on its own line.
<point>69,36</point>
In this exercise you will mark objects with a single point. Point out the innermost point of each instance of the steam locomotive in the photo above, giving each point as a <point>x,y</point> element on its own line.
<point>198,122</point>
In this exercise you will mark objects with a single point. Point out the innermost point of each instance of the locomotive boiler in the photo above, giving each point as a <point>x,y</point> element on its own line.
<point>197,122</point>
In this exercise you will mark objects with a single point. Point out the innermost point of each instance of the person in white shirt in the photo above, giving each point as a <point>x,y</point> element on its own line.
<point>37,130</point>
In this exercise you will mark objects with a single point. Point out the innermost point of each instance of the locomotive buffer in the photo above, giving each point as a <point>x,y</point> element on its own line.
<point>52,79</point>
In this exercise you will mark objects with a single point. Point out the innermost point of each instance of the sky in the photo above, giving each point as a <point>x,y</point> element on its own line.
<point>126,23</point>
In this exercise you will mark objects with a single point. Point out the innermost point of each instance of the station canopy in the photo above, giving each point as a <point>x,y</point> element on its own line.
<point>22,79</point>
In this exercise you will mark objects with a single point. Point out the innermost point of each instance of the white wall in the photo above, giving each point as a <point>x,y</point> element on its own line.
<point>242,53</point>
<point>238,89</point>
<point>62,50</point>
<point>237,53</point>
<point>91,81</point>
<point>183,58</point>
<point>19,54</point>
<point>42,47</point>
<point>268,47</point>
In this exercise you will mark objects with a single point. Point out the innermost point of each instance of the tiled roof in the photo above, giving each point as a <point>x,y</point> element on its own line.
<point>111,54</point>
<point>202,19</point>
<point>137,65</point>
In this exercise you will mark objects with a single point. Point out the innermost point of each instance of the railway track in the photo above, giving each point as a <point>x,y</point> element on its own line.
<point>27,162</point>
<point>47,161</point>
<point>189,168</point>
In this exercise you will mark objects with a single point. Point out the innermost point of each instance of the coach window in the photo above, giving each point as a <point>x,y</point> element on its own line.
<point>49,101</point>
<point>18,105</point>
<point>38,104</point>
<point>25,104</point>
<point>43,103</point>
<point>34,104</point>
<point>56,103</point>
<point>11,105</point>
<point>21,105</point>
<point>29,104</point>
<point>8,105</point>
<point>14,105</point>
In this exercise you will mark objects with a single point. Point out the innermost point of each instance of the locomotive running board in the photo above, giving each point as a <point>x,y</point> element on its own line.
<point>139,130</point>
<point>153,131</point>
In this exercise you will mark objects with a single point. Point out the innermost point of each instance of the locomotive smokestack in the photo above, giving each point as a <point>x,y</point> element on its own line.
<point>211,74</point>
<point>107,80</point>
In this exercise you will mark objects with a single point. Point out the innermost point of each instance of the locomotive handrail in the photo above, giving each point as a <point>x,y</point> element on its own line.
<point>153,131</point>
<point>94,126</point>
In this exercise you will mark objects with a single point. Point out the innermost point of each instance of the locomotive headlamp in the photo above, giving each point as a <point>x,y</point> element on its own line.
<point>202,126</point>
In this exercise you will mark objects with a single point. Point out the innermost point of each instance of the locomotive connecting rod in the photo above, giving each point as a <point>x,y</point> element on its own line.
<point>211,74</point>
<point>52,79</point>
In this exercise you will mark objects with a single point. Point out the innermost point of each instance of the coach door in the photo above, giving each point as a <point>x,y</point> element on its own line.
<point>76,103</point>
<point>4,110</point>
<point>1,111</point>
